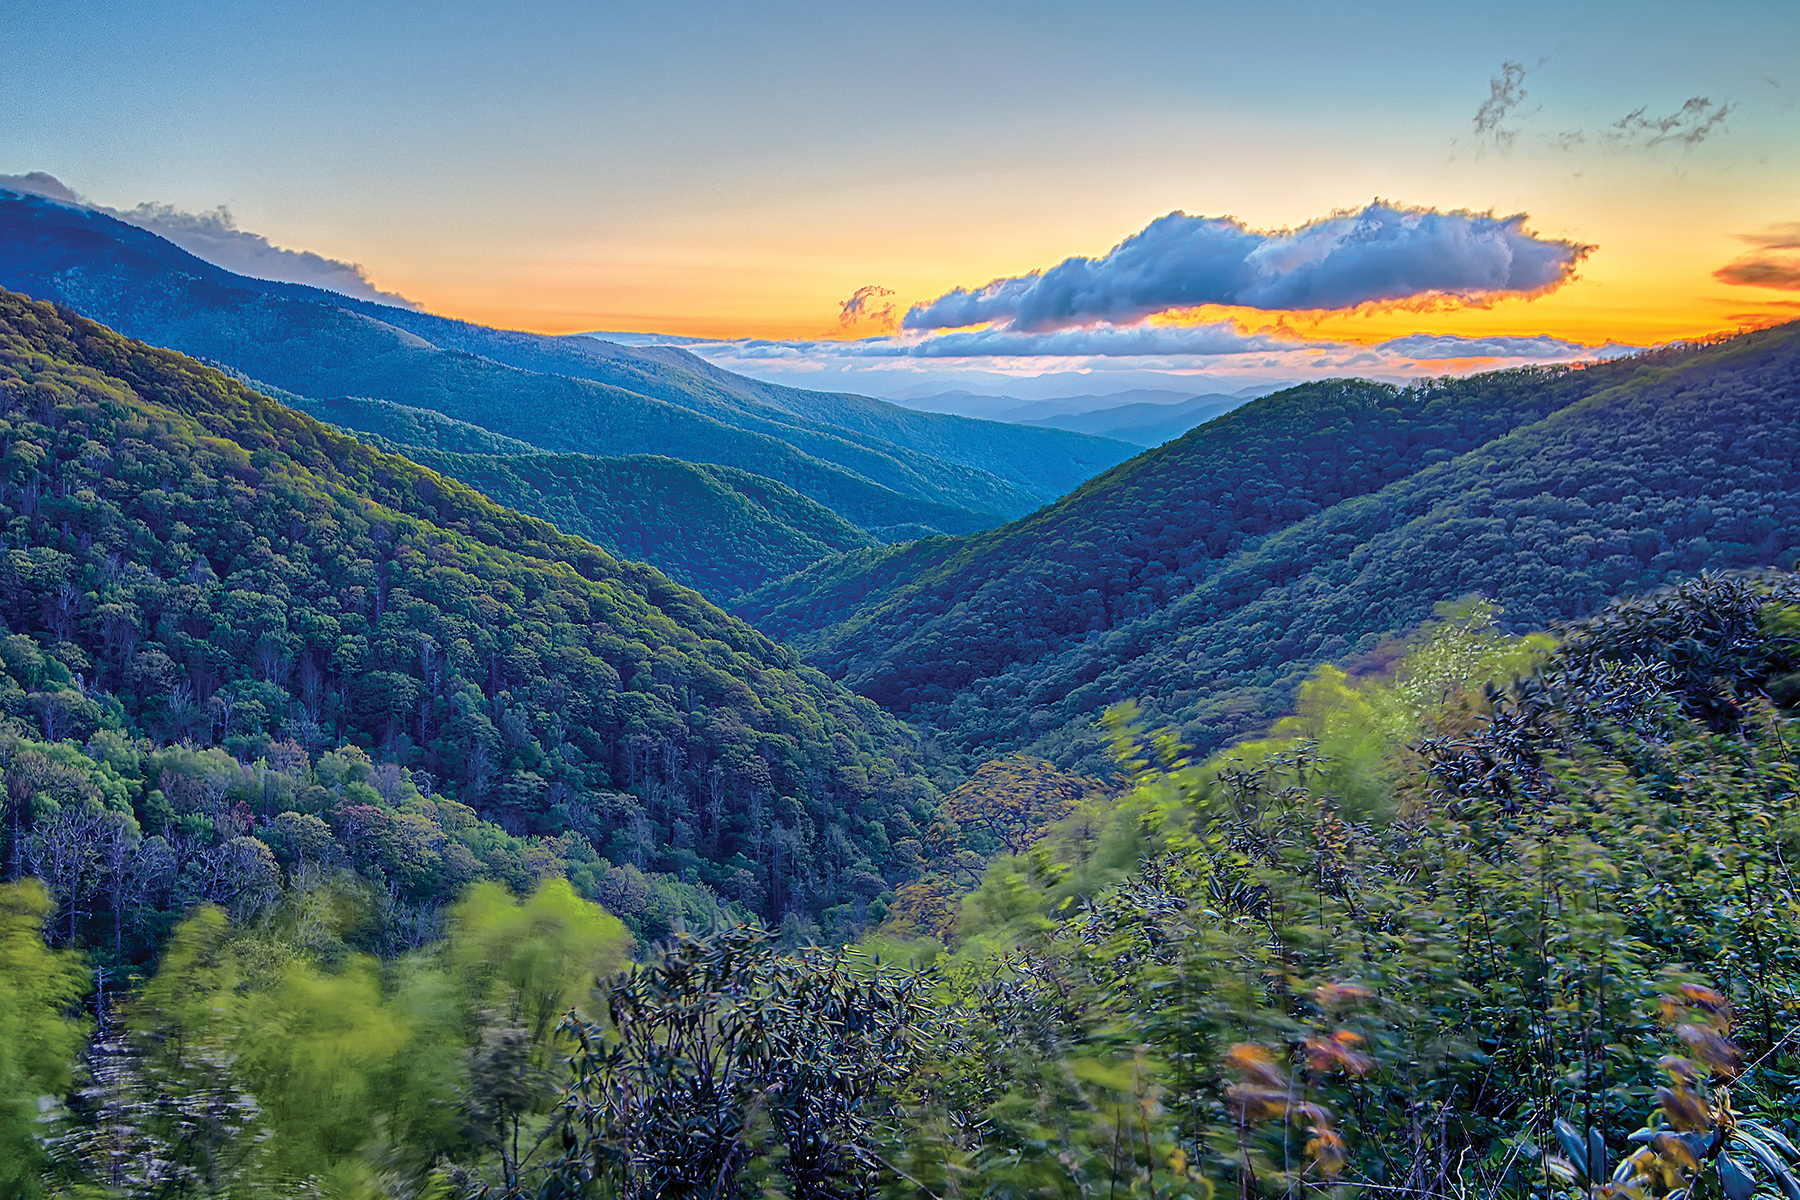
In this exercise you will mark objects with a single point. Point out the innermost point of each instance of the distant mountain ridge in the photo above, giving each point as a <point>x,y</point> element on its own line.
<point>1143,424</point>
<point>1205,578</point>
<point>875,465</point>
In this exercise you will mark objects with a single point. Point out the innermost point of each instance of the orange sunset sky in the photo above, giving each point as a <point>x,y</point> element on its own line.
<point>738,172</point>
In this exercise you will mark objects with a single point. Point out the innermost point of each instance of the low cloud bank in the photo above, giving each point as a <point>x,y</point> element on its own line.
<point>215,237</point>
<point>1381,254</point>
<point>1432,347</point>
<point>1101,341</point>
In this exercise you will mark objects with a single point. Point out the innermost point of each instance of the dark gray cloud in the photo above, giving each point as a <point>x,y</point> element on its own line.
<point>1382,254</point>
<point>215,237</point>
<point>1695,121</point>
<point>1762,272</point>
<point>868,303</point>
<point>1775,263</point>
<point>1506,91</point>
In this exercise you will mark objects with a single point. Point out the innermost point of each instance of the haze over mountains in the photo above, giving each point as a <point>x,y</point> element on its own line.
<point>881,467</point>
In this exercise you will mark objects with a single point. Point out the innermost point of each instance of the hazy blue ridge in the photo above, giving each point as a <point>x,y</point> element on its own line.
<point>321,344</point>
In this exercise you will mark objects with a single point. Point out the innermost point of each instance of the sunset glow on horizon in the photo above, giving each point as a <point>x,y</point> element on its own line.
<point>739,175</point>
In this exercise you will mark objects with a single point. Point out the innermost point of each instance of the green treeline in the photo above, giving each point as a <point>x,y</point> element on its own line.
<point>1509,917</point>
<point>189,562</point>
<point>1205,579</point>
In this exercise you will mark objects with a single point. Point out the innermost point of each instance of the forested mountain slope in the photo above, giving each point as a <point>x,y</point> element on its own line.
<point>205,563</point>
<point>1142,533</point>
<point>1043,462</point>
<point>561,394</point>
<point>717,529</point>
<point>1207,576</point>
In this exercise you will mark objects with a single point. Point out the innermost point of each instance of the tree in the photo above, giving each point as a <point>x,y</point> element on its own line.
<point>724,1054</point>
<point>38,1038</point>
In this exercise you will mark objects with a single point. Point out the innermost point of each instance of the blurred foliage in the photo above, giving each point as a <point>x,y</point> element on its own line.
<point>1503,917</point>
<point>272,1060</point>
<point>38,1039</point>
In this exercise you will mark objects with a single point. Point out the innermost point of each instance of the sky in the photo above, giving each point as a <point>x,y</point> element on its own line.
<point>818,190</point>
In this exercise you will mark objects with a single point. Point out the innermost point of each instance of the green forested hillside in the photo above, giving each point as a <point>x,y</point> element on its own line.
<point>1206,576</point>
<point>190,562</point>
<point>1534,889</point>
<point>1140,534</point>
<point>1043,462</point>
<point>559,394</point>
<point>398,424</point>
<point>716,529</point>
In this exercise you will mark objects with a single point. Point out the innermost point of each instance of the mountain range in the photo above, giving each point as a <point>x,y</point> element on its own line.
<point>203,565</point>
<point>1141,423</point>
<point>1205,578</point>
<point>883,468</point>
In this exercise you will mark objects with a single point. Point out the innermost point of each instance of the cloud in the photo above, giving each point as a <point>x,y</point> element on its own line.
<point>1762,271</point>
<point>39,183</point>
<point>215,237</point>
<point>1775,237</point>
<point>1381,254</point>
<point>1506,91</point>
<point>866,304</point>
<point>1107,341</point>
<point>1774,264</point>
<point>1100,359</point>
<point>1691,124</point>
<point>1438,347</point>
<point>1145,340</point>
<point>1099,341</point>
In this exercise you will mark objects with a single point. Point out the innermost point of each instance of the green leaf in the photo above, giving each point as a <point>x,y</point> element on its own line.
<point>1571,1144</point>
<point>1737,1181</point>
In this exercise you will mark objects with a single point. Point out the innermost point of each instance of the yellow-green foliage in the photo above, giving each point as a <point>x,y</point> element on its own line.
<point>1333,967</point>
<point>38,1037</point>
<point>1361,727</point>
<point>535,960</point>
<point>351,1061</point>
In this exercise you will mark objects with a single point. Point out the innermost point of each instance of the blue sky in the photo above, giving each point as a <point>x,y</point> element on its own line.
<point>739,170</point>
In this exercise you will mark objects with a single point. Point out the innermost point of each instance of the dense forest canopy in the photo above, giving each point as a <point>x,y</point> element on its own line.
<point>1205,578</point>
<point>190,562</point>
<point>716,529</point>
<point>1509,916</point>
